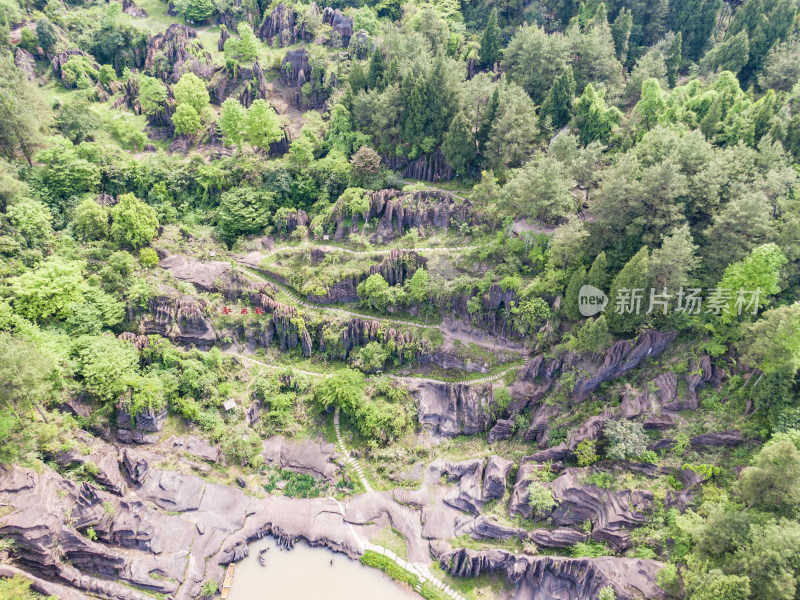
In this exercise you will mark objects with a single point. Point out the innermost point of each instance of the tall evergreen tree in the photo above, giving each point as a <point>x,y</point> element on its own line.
<point>487,118</point>
<point>459,145</point>
<point>490,42</point>
<point>621,32</point>
<point>357,78</point>
<point>672,57</point>
<point>629,297</point>
<point>375,71</point>
<point>695,20</point>
<point>598,274</point>
<point>557,107</point>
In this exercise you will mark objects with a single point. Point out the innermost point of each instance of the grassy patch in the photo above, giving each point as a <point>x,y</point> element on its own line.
<point>391,538</point>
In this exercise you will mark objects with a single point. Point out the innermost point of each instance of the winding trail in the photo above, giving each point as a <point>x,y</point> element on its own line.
<point>329,248</point>
<point>350,459</point>
<point>321,307</point>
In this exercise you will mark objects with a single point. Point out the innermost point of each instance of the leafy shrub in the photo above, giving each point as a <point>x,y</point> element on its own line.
<point>590,549</point>
<point>540,499</point>
<point>586,453</point>
<point>627,439</point>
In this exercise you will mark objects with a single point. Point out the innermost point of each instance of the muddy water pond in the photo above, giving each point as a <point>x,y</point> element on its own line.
<point>306,573</point>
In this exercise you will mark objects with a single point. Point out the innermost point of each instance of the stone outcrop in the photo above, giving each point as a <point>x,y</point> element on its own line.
<point>341,25</point>
<point>551,577</point>
<point>59,60</point>
<point>180,318</point>
<point>502,430</point>
<point>279,23</point>
<point>144,428</point>
<point>141,547</point>
<point>295,72</point>
<point>612,514</point>
<point>399,211</point>
<point>539,376</point>
<point>396,268</point>
<point>495,476</point>
<point>25,62</point>
<point>177,50</point>
<point>451,409</point>
<point>304,457</point>
<point>590,430</point>
<point>484,528</point>
<point>196,447</point>
<point>428,167</point>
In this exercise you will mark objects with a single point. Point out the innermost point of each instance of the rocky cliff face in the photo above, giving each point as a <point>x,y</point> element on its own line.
<point>540,374</point>
<point>451,409</point>
<point>556,578</point>
<point>396,269</point>
<point>176,51</point>
<point>399,211</point>
<point>179,317</point>
<point>428,167</point>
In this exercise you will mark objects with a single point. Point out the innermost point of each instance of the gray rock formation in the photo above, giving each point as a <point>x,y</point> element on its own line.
<point>556,578</point>
<point>451,409</point>
<point>495,476</point>
<point>305,457</point>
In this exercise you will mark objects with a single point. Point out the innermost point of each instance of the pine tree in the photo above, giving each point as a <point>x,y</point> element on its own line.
<point>621,32</point>
<point>571,300</point>
<point>375,71</point>
<point>695,19</point>
<point>490,42</point>
<point>598,274</point>
<point>459,145</point>
<point>487,118</point>
<point>593,119</point>
<point>442,103</point>
<point>673,57</point>
<point>557,107</point>
<point>357,78</point>
<point>623,313</point>
<point>652,104</point>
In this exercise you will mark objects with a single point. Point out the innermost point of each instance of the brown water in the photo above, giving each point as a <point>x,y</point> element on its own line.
<point>306,573</point>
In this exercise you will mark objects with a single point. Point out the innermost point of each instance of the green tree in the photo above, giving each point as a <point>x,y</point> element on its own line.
<point>152,95</point>
<point>625,313</point>
<point>695,19</point>
<point>672,58</point>
<point>186,120</point>
<point>190,90</point>
<point>21,108</point>
<point>621,33</point>
<point>493,107</point>
<point>374,292</point>
<point>718,586</point>
<point>593,336</point>
<point>243,211</point>
<point>540,499</point>
<point>598,273</point>
<point>672,264</point>
<point>106,366</point>
<point>491,42</point>
<point>344,389</point>
<point>731,55</point>
<point>758,271</point>
<point>556,109</point>
<point>773,482</point>
<point>90,221</point>
<point>133,223</point>
<point>46,34</point>
<point>773,342</point>
<point>357,78</point>
<point>376,70</point>
<point>649,108</point>
<point>244,47</point>
<point>459,145</point>
<point>48,291</point>
<point>571,301</point>
<point>627,439</point>
<point>77,121</point>
<point>539,190</point>
<point>594,120</point>
<point>262,126</point>
<point>199,11</point>
<point>418,285</point>
<point>232,119</point>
